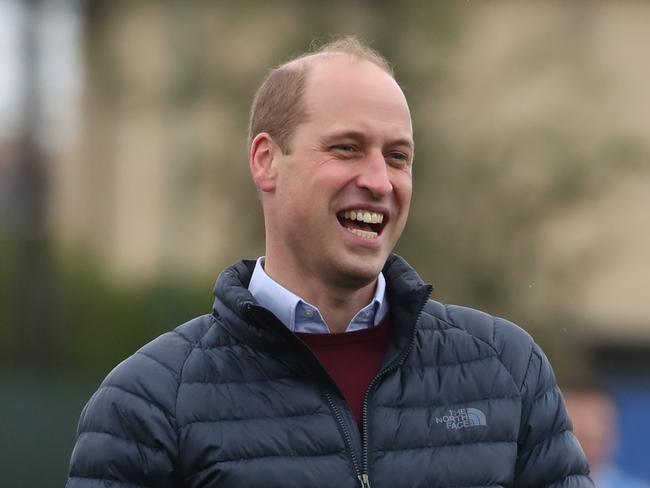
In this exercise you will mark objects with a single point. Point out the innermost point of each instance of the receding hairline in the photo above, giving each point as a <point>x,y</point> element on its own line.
<point>310,60</point>
<point>294,74</point>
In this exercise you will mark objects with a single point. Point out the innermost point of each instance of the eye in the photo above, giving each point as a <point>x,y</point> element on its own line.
<point>345,149</point>
<point>398,158</point>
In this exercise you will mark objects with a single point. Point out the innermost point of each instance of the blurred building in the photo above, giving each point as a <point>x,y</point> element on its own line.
<point>148,188</point>
<point>544,104</point>
<point>552,96</point>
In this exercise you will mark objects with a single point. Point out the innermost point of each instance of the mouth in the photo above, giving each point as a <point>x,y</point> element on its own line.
<point>363,223</point>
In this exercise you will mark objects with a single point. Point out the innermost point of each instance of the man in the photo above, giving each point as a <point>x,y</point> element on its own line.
<point>595,421</point>
<point>316,368</point>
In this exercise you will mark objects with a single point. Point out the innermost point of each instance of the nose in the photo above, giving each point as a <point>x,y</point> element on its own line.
<point>374,175</point>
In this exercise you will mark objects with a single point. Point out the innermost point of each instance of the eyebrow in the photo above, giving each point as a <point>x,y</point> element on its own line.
<point>353,134</point>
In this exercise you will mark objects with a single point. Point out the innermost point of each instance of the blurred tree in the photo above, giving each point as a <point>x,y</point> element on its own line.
<point>31,279</point>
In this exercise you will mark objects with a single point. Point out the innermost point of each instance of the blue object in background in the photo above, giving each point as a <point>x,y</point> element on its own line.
<point>633,401</point>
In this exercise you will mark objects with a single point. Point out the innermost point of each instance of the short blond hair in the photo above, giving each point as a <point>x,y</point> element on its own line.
<point>278,107</point>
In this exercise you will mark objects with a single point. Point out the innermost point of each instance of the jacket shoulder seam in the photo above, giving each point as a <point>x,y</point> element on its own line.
<point>528,365</point>
<point>194,345</point>
<point>157,361</point>
<point>454,326</point>
<point>491,346</point>
<point>499,354</point>
<point>137,395</point>
<point>175,331</point>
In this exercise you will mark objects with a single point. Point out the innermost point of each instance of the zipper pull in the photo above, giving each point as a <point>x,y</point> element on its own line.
<point>363,479</point>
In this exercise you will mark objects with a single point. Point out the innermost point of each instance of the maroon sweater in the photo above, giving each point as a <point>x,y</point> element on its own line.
<point>352,359</point>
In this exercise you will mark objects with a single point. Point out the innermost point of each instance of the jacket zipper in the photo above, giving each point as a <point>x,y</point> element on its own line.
<point>347,438</point>
<point>362,475</point>
<point>365,482</point>
<point>364,434</point>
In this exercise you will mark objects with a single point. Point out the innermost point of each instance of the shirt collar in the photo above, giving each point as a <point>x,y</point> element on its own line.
<point>301,316</point>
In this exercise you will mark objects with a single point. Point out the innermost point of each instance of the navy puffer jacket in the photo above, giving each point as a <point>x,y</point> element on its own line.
<point>233,399</point>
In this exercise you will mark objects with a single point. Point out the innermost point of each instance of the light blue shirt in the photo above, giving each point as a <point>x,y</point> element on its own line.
<point>300,316</point>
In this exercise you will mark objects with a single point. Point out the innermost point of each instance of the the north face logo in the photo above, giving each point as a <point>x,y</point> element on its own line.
<point>462,418</point>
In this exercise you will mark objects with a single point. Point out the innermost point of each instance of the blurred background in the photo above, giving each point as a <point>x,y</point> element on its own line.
<point>124,187</point>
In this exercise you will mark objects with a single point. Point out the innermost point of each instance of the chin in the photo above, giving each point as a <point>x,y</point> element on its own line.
<point>359,271</point>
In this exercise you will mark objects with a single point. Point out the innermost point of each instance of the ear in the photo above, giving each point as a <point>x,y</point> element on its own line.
<point>263,162</point>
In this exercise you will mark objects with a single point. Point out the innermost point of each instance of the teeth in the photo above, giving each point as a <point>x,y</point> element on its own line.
<point>363,233</point>
<point>364,216</point>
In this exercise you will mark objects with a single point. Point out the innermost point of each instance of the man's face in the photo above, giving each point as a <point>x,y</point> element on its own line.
<point>343,192</point>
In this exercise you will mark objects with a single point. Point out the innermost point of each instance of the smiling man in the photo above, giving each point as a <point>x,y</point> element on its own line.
<point>325,363</point>
<point>336,194</point>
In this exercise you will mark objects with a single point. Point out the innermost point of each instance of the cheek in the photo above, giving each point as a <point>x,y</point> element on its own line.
<point>403,188</point>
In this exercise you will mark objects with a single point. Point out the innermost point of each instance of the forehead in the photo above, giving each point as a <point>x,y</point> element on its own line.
<point>347,93</point>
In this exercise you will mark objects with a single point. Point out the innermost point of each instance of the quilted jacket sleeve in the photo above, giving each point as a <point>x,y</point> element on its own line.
<point>126,435</point>
<point>549,453</point>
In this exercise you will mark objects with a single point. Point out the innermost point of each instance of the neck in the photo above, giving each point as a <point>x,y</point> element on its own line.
<point>337,304</point>
<point>338,310</point>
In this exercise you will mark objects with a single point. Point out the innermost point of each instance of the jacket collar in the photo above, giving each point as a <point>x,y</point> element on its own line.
<point>301,316</point>
<point>248,321</point>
